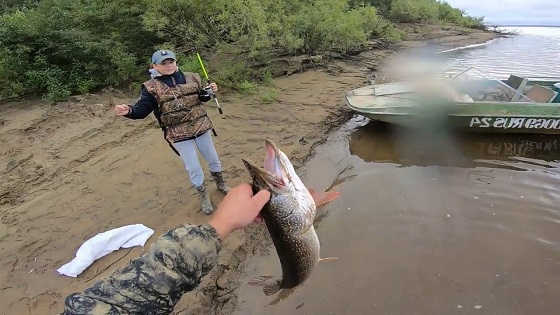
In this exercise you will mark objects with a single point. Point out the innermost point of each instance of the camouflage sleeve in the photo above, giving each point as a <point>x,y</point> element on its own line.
<point>153,283</point>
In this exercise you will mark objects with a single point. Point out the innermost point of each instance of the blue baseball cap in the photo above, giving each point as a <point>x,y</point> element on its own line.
<point>160,55</point>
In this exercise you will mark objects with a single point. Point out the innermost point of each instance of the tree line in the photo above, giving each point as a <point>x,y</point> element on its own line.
<point>56,48</point>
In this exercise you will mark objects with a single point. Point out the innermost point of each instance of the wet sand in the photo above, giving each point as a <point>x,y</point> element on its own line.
<point>427,223</point>
<point>71,170</point>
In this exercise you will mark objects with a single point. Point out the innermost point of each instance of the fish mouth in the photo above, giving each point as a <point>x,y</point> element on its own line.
<point>274,175</point>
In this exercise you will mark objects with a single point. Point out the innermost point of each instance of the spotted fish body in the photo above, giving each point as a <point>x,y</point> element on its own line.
<point>289,217</point>
<point>291,228</point>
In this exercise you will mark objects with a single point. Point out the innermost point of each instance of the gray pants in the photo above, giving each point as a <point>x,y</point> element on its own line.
<point>187,149</point>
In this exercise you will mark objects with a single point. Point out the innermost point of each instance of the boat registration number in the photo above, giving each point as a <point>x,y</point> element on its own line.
<point>514,122</point>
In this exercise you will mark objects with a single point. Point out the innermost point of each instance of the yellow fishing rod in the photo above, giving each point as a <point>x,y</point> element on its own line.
<point>207,79</point>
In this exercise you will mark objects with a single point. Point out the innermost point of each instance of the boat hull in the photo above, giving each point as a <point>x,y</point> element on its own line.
<point>474,123</point>
<point>395,104</point>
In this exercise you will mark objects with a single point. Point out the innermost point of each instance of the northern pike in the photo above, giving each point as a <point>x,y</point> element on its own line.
<point>289,217</point>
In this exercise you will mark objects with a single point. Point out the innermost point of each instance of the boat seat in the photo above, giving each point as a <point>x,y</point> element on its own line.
<point>541,94</point>
<point>518,84</point>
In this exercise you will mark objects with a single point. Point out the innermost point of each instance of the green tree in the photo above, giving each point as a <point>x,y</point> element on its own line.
<point>59,47</point>
<point>86,48</point>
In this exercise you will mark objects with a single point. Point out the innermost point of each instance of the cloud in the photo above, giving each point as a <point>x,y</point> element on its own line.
<point>536,12</point>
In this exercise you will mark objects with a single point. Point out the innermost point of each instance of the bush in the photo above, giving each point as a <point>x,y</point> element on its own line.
<point>268,95</point>
<point>229,68</point>
<point>431,11</point>
<point>82,51</point>
<point>415,11</point>
<point>247,87</point>
<point>13,5</point>
<point>190,63</point>
<point>448,14</point>
<point>59,47</point>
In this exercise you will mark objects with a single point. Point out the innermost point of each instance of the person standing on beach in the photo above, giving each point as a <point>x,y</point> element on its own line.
<point>176,100</point>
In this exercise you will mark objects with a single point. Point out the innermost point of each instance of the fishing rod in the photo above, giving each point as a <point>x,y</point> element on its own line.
<point>212,94</point>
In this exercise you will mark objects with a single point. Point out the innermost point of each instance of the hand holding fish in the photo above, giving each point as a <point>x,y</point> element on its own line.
<point>238,209</point>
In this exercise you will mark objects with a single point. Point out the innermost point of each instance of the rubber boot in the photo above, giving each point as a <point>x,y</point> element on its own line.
<point>220,184</point>
<point>205,203</point>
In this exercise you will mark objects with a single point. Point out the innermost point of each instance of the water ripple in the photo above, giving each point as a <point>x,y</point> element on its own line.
<point>533,52</point>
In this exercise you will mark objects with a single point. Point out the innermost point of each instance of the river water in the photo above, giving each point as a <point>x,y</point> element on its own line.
<point>534,51</point>
<point>434,222</point>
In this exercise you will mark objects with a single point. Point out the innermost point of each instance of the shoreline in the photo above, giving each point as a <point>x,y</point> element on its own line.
<point>222,285</point>
<point>74,170</point>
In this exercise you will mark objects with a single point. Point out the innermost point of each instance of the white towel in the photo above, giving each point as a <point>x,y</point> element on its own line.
<point>104,243</point>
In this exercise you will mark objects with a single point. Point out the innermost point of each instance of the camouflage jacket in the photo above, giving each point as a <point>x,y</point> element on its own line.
<point>155,282</point>
<point>181,113</point>
<point>175,105</point>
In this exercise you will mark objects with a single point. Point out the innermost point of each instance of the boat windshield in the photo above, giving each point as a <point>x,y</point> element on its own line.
<point>481,88</point>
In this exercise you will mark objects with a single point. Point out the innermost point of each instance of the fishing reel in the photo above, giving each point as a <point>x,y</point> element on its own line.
<point>208,91</point>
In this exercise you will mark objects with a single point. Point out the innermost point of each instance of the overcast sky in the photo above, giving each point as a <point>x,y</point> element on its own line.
<point>520,12</point>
